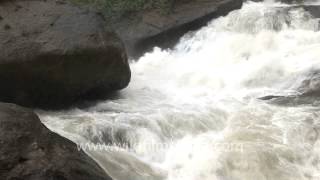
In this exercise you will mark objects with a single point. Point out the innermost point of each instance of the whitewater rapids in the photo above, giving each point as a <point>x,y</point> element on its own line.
<point>200,104</point>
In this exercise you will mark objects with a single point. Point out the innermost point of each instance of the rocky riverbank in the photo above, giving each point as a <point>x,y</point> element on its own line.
<point>55,54</point>
<point>29,151</point>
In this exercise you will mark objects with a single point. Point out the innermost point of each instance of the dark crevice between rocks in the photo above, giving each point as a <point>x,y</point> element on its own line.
<point>22,160</point>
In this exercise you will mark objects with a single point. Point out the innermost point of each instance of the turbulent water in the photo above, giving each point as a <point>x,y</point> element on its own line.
<point>194,113</point>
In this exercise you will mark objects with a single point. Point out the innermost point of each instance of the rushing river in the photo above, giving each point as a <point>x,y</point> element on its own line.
<point>194,113</point>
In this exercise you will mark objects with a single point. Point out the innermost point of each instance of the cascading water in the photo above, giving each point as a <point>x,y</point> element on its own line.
<point>199,105</point>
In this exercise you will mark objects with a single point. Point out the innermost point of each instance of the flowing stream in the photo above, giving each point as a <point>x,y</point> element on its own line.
<point>195,113</point>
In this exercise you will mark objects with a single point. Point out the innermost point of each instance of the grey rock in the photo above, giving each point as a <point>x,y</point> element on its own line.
<point>143,30</point>
<point>30,151</point>
<point>54,54</point>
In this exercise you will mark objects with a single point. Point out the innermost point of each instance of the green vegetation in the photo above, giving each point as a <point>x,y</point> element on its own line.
<point>116,8</point>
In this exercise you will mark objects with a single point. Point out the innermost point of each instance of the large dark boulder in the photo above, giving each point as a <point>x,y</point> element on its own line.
<point>53,54</point>
<point>29,151</point>
<point>145,29</point>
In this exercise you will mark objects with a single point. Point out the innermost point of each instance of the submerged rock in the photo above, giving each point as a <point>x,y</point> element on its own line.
<point>307,92</point>
<point>29,151</point>
<point>310,86</point>
<point>53,54</point>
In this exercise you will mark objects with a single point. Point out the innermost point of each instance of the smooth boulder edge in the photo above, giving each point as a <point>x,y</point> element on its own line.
<point>142,30</point>
<point>54,54</point>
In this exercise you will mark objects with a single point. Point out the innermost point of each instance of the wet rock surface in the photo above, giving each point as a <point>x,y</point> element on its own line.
<point>143,30</point>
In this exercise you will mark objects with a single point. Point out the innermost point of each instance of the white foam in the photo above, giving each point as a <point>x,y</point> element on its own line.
<point>202,96</point>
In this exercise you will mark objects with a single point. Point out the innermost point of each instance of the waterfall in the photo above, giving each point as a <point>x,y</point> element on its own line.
<point>194,112</point>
